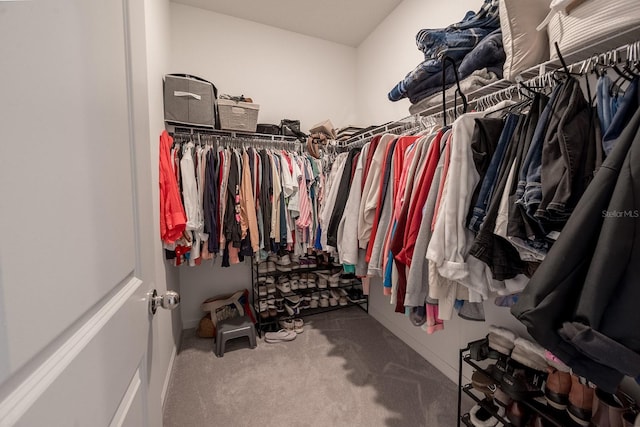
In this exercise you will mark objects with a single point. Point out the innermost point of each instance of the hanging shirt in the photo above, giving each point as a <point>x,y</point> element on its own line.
<point>189,187</point>
<point>172,216</point>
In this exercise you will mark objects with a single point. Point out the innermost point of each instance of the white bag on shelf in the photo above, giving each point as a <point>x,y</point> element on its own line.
<point>589,22</point>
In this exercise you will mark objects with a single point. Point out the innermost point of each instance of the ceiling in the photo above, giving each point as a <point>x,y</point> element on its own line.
<point>345,22</point>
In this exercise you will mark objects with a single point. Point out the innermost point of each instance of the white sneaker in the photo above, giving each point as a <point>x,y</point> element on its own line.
<point>324,302</point>
<point>286,324</point>
<point>262,291</point>
<point>262,268</point>
<point>295,285</point>
<point>284,288</point>
<point>314,303</point>
<point>271,288</point>
<point>282,335</point>
<point>284,260</point>
<point>271,267</point>
<point>298,326</point>
<point>333,302</point>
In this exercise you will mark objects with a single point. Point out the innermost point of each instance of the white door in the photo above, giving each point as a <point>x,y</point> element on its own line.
<point>75,264</point>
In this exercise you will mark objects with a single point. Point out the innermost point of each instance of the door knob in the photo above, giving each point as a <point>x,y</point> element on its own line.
<point>169,301</point>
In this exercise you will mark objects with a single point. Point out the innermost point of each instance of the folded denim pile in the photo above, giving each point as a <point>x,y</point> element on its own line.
<point>525,371</point>
<point>474,43</point>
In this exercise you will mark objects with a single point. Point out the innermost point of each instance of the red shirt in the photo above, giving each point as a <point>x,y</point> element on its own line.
<point>173,219</point>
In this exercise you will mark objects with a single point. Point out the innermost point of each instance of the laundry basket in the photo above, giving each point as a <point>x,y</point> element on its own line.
<point>590,22</point>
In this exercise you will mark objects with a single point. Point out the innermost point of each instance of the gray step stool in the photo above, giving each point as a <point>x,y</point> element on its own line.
<point>236,327</point>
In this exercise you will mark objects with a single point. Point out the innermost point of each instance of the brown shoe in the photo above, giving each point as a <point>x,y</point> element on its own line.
<point>557,389</point>
<point>517,414</point>
<point>580,401</point>
<point>608,410</point>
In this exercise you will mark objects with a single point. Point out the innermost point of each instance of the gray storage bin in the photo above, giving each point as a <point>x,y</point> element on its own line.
<point>240,116</point>
<point>189,100</point>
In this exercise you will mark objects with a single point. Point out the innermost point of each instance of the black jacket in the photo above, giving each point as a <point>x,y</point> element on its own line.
<point>583,302</point>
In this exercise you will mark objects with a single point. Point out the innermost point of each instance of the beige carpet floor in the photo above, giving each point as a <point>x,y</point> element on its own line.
<point>345,369</point>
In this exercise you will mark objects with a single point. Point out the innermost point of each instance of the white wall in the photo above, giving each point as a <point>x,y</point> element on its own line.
<point>209,280</point>
<point>384,58</point>
<point>390,52</point>
<point>288,74</point>
<point>166,328</point>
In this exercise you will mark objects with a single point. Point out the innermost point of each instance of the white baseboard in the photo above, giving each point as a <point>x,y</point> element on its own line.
<point>438,362</point>
<point>167,377</point>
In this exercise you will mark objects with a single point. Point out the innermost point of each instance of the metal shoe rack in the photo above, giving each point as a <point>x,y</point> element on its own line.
<point>553,416</point>
<point>272,323</point>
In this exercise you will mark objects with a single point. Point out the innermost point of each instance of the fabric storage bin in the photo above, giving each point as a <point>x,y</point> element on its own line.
<point>240,116</point>
<point>268,129</point>
<point>189,100</point>
<point>591,21</point>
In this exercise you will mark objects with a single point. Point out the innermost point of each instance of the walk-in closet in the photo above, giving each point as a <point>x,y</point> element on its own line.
<point>394,213</point>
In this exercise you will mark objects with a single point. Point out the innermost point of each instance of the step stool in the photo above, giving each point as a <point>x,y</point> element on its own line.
<point>236,327</point>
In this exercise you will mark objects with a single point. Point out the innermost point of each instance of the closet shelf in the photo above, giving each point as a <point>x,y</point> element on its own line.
<point>229,133</point>
<point>297,271</point>
<point>612,42</point>
<point>617,42</point>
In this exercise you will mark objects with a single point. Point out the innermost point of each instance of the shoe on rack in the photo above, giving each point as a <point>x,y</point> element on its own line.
<point>557,388</point>
<point>282,335</point>
<point>292,300</point>
<point>356,296</point>
<point>271,267</point>
<point>608,409</point>
<point>501,339</point>
<point>346,279</point>
<point>335,294</point>
<point>263,268</point>
<point>529,354</point>
<point>262,280</point>
<point>295,284</point>
<point>284,263</point>
<point>333,302</point>
<point>284,288</point>
<point>311,261</point>
<point>631,419</point>
<point>324,302</point>
<point>303,281</point>
<point>343,301</point>
<point>262,291</point>
<point>519,385</point>
<point>325,294</point>
<point>292,311</point>
<point>517,414</point>
<point>298,326</point>
<point>271,288</point>
<point>483,383</point>
<point>580,406</point>
<point>315,296</point>
<point>314,303</point>
<point>311,281</point>
<point>280,305</point>
<point>480,417</point>
<point>273,312</point>
<point>334,280</point>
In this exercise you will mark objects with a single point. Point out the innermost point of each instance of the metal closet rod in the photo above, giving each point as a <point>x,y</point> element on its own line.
<point>630,51</point>
<point>233,134</point>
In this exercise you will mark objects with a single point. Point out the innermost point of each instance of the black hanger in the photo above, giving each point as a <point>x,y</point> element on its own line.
<point>457,92</point>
